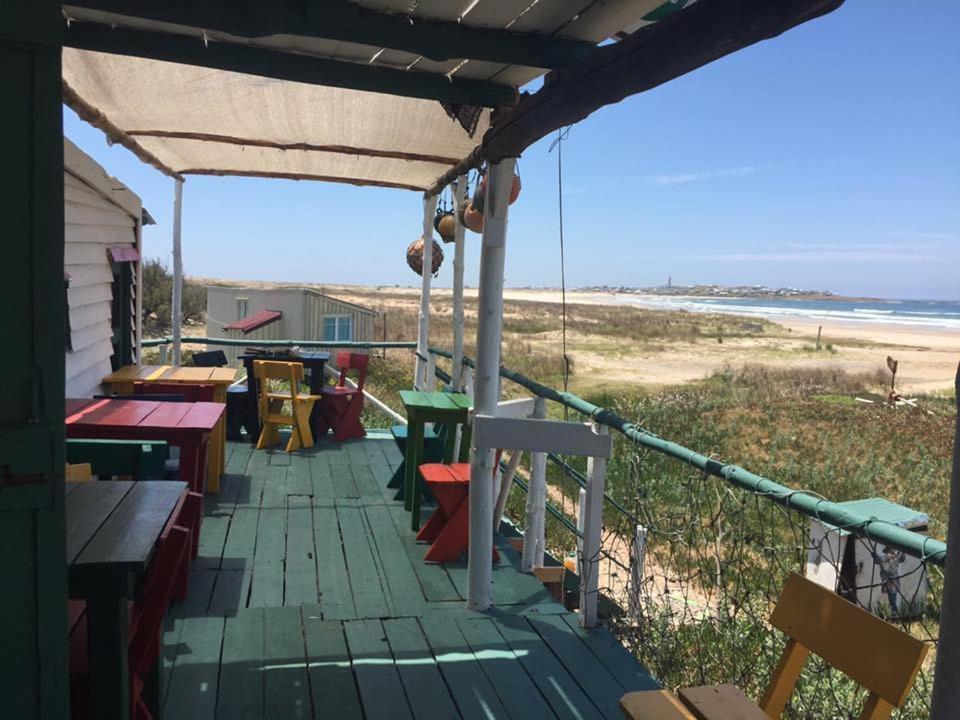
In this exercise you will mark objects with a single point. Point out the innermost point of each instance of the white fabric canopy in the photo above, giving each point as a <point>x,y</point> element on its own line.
<point>244,111</point>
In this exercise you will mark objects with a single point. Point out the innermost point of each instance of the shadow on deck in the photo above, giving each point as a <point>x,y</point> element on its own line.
<point>310,599</point>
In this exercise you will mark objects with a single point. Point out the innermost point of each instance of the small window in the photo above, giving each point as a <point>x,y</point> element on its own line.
<point>243,306</point>
<point>337,328</point>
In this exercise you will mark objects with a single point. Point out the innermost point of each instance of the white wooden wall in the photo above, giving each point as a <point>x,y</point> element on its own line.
<point>92,223</point>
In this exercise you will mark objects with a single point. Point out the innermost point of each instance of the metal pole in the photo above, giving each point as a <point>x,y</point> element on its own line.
<point>423,331</point>
<point>459,193</point>
<point>487,381</point>
<point>946,689</point>
<point>175,305</point>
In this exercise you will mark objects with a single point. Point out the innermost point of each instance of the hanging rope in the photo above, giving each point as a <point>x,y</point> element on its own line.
<point>562,134</point>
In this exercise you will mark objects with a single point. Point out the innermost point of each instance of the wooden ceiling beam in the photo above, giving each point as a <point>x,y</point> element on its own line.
<point>284,66</point>
<point>349,22</point>
<point>653,55</point>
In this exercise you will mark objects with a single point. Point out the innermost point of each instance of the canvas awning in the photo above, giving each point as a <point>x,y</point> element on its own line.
<point>205,117</point>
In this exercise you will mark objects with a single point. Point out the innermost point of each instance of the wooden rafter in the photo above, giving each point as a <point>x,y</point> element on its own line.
<point>651,56</point>
<point>347,21</point>
<point>308,147</point>
<point>284,66</point>
<point>301,176</point>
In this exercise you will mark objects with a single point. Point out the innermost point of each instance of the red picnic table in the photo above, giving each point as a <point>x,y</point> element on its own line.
<point>184,425</point>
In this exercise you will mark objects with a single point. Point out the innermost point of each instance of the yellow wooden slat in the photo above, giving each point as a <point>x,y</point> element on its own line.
<point>784,679</point>
<point>879,656</point>
<point>720,702</point>
<point>653,705</point>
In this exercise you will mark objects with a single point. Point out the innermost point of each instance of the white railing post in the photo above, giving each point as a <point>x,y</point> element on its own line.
<point>638,555</point>
<point>423,329</point>
<point>459,192</point>
<point>163,354</point>
<point>430,382</point>
<point>468,382</point>
<point>489,327</point>
<point>581,515</point>
<point>534,537</point>
<point>506,484</point>
<point>592,538</point>
<point>177,295</point>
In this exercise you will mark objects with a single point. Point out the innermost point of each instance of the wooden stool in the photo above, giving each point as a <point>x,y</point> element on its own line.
<point>449,526</point>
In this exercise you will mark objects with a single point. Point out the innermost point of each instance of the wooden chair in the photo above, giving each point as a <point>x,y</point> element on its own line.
<point>190,392</point>
<point>270,405</point>
<point>78,472</point>
<point>879,656</point>
<point>341,406</point>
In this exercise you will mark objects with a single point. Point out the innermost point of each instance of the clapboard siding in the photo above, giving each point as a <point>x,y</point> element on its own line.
<point>99,213</point>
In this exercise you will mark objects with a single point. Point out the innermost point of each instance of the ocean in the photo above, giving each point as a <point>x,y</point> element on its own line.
<point>912,313</point>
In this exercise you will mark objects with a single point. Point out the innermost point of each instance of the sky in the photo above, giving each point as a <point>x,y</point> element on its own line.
<point>827,158</point>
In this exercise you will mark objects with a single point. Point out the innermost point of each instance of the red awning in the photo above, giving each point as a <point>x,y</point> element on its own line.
<point>253,322</point>
<point>123,253</point>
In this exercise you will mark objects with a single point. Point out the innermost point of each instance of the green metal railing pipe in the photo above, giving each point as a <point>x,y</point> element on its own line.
<point>806,503</point>
<point>234,342</point>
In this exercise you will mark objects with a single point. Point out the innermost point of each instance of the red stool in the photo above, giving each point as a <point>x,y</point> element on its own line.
<point>449,526</point>
<point>340,406</point>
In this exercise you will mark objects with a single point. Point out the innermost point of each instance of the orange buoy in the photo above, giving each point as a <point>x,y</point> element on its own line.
<point>473,218</point>
<point>514,189</point>
<point>447,226</point>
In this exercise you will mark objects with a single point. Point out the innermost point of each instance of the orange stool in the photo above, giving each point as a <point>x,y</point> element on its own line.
<point>448,528</point>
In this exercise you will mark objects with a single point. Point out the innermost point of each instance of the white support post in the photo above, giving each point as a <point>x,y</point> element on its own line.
<point>423,331</point>
<point>486,390</point>
<point>176,304</point>
<point>638,556</point>
<point>138,298</point>
<point>592,538</point>
<point>581,514</point>
<point>459,196</point>
<point>163,354</point>
<point>534,537</point>
<point>430,382</point>
<point>506,483</point>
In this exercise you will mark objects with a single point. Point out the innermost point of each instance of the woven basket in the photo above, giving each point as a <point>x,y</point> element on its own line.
<point>415,256</point>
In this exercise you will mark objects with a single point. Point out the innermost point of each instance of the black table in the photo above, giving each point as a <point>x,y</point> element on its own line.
<point>312,361</point>
<point>112,532</point>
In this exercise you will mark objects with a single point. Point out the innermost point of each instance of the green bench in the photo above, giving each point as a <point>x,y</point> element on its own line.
<point>140,459</point>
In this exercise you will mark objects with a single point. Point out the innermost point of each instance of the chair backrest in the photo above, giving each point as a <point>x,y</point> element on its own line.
<point>871,651</point>
<point>190,392</point>
<point>353,361</point>
<point>210,358</point>
<point>266,370</point>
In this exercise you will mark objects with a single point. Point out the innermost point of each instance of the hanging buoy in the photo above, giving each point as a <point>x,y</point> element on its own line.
<point>446,225</point>
<point>415,256</point>
<point>473,218</point>
<point>482,189</point>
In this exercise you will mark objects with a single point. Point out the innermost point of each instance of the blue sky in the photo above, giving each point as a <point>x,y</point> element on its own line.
<point>826,158</point>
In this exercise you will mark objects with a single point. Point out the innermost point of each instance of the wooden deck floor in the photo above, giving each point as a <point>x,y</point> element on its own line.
<point>310,599</point>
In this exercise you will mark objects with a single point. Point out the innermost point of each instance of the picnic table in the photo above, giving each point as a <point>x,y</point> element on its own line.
<point>421,408</point>
<point>184,425</point>
<point>313,361</point>
<point>112,532</point>
<point>121,382</point>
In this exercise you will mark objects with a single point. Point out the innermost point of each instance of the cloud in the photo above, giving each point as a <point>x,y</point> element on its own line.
<point>861,254</point>
<point>913,235</point>
<point>682,178</point>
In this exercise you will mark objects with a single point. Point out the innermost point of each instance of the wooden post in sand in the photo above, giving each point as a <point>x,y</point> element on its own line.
<point>819,330</point>
<point>946,689</point>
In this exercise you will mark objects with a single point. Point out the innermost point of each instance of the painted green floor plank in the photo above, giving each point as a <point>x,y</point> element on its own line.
<point>426,691</point>
<point>516,690</point>
<point>368,490</point>
<point>559,688</point>
<point>334,453</point>
<point>230,592</point>
<point>279,457</point>
<point>286,687</point>
<point>405,591</point>
<point>298,478</point>
<point>511,586</point>
<point>592,676</point>
<point>271,535</point>
<point>192,693</point>
<point>266,584</point>
<point>435,580</point>
<point>469,686</point>
<point>343,483</point>
<point>251,490</point>
<point>613,656</point>
<point>240,692</point>
<point>301,565</point>
<point>213,534</point>
<point>381,691</point>
<point>241,540</point>
<point>370,595</point>
<point>275,488</point>
<point>356,453</point>
<point>321,479</point>
<point>199,588</point>
<point>336,600</point>
<point>332,685</point>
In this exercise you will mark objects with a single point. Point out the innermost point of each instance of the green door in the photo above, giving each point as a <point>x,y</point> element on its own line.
<point>33,673</point>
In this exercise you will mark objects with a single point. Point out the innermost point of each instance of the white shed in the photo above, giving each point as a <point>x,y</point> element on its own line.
<point>102,223</point>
